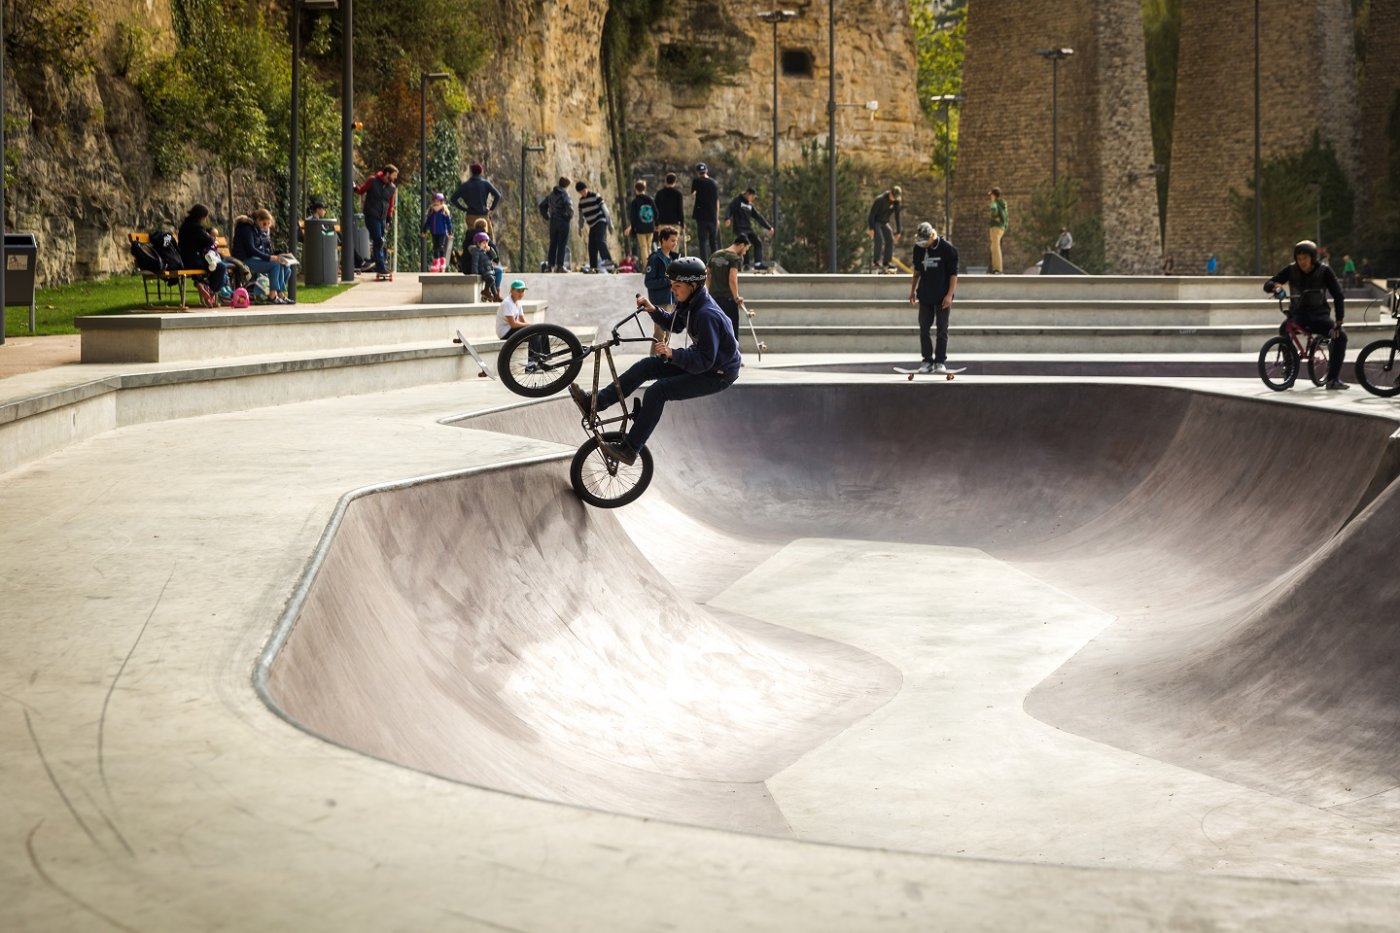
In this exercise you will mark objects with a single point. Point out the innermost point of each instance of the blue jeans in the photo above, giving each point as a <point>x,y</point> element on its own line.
<point>375,226</point>
<point>672,383</point>
<point>276,272</point>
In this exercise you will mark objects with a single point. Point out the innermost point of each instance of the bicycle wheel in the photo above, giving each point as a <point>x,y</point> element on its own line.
<point>1278,363</point>
<point>601,481</point>
<point>539,360</point>
<point>1318,361</point>
<point>1378,368</point>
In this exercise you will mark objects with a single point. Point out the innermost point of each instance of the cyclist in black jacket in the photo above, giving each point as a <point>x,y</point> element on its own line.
<point>1309,282</point>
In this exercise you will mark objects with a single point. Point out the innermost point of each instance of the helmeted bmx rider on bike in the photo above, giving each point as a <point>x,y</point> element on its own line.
<point>708,365</point>
<point>1309,282</point>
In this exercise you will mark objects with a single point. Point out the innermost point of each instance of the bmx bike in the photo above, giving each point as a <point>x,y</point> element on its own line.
<point>1281,356</point>
<point>1377,366</point>
<point>538,360</point>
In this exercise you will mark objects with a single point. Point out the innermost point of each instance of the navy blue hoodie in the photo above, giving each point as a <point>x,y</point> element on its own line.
<point>713,346</point>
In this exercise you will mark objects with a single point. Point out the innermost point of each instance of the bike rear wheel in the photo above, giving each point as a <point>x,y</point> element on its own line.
<point>539,360</point>
<point>1318,361</point>
<point>605,483</point>
<point>1378,368</point>
<point>1278,363</point>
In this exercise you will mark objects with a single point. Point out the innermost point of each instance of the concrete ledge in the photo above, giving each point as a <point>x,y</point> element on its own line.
<point>450,288</point>
<point>158,338</point>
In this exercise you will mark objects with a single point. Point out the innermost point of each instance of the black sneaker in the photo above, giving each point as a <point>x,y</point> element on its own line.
<point>581,399</point>
<point>621,451</point>
<point>1336,384</point>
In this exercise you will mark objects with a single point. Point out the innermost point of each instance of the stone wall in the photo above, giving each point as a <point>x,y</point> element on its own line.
<point>1308,85</point>
<point>1105,139</point>
<point>1380,99</point>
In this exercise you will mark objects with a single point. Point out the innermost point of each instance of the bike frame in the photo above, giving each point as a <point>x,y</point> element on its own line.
<point>604,351</point>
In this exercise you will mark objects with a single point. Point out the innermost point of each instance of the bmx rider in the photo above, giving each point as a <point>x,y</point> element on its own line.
<point>1309,282</point>
<point>709,365</point>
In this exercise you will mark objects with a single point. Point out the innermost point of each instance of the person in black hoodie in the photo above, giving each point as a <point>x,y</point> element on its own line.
<point>557,208</point>
<point>709,365</point>
<point>196,243</point>
<point>1309,282</point>
<point>741,215</point>
<point>705,210</point>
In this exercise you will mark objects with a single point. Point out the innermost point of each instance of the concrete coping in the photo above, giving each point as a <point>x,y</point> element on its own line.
<point>227,318</point>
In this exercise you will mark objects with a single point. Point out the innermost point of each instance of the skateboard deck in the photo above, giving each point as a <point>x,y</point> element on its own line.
<point>467,345</point>
<point>911,373</point>
<point>759,343</point>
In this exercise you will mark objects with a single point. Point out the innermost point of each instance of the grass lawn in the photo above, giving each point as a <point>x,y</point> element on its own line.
<point>56,307</point>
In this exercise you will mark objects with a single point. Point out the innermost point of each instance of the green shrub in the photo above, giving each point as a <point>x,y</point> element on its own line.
<point>51,32</point>
<point>804,227</point>
<point>1051,208</point>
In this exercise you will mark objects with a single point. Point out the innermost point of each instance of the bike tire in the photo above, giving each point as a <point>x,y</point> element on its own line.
<point>1378,368</point>
<point>557,362</point>
<point>1318,361</point>
<point>605,483</point>
<point>1278,363</point>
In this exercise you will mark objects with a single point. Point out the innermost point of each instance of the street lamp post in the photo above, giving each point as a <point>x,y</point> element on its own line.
<point>776,17</point>
<point>525,150</point>
<point>1055,56</point>
<point>423,79</point>
<point>347,141</point>
<point>945,102</point>
<point>294,165</point>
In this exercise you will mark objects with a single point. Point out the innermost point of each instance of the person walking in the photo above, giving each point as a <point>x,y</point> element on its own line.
<point>708,365</point>
<point>934,283</point>
<point>670,208</point>
<point>641,221</point>
<point>1065,243</point>
<point>998,222</point>
<point>740,215</point>
<point>380,192</point>
<point>722,277</point>
<point>557,208</point>
<point>593,216</point>
<point>476,197</point>
<point>885,209</point>
<point>705,211</point>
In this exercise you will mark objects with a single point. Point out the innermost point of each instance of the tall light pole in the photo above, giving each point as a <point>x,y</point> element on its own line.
<point>945,102</point>
<point>293,167</point>
<point>776,17</point>
<point>347,141</point>
<point>525,150</point>
<point>423,79</point>
<point>1055,56</point>
<point>831,130</point>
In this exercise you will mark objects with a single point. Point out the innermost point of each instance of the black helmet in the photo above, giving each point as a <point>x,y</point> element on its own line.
<point>686,269</point>
<point>1305,246</point>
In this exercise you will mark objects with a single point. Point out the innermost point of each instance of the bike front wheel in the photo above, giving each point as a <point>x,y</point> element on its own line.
<point>1278,363</point>
<point>1318,361</point>
<point>1378,368</point>
<point>605,483</point>
<point>539,360</point>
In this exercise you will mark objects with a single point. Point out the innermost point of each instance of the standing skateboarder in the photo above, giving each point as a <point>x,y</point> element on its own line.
<point>934,282</point>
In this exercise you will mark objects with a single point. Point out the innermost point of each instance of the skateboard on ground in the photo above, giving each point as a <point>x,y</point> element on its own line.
<point>467,345</point>
<point>911,373</point>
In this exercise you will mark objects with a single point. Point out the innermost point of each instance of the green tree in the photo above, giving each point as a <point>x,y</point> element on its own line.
<point>1052,208</point>
<point>940,43</point>
<point>1161,23</point>
<point>55,33</point>
<point>1306,196</point>
<point>804,235</point>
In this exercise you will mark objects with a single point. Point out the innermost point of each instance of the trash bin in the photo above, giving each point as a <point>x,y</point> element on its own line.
<point>21,269</point>
<point>361,238</point>
<point>319,253</point>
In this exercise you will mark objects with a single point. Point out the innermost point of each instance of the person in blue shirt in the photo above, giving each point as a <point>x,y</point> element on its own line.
<point>709,365</point>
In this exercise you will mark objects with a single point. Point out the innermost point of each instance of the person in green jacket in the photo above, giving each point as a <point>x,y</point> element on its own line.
<point>997,225</point>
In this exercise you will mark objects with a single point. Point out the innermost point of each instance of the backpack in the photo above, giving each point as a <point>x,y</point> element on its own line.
<point>165,248</point>
<point>146,258</point>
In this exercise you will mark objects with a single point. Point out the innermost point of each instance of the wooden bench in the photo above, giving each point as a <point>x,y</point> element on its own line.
<point>238,272</point>
<point>167,283</point>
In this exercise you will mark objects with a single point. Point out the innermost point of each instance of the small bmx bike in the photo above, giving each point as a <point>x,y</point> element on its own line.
<point>1378,364</point>
<point>1281,356</point>
<point>539,360</point>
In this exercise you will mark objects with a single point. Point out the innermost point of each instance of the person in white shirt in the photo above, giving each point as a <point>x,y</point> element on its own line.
<point>1065,243</point>
<point>511,316</point>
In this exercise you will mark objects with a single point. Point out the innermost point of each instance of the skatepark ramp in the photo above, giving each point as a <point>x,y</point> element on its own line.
<point>1225,551</point>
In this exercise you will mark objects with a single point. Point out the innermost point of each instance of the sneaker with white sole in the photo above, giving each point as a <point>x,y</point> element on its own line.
<point>926,368</point>
<point>940,368</point>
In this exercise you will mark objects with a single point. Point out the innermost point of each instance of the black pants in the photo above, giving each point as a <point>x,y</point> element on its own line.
<point>672,383</point>
<point>884,245</point>
<point>598,246</point>
<point>755,254</point>
<point>730,307</point>
<point>1322,324</point>
<point>707,237</point>
<point>558,242</point>
<point>929,315</point>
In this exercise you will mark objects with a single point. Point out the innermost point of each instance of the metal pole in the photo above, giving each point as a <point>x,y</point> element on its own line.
<point>831,130</point>
<point>1054,121</point>
<point>422,163</point>
<point>525,148</point>
<point>293,178</point>
<point>947,170</point>
<point>347,141</point>
<point>1258,158</point>
<point>773,219</point>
